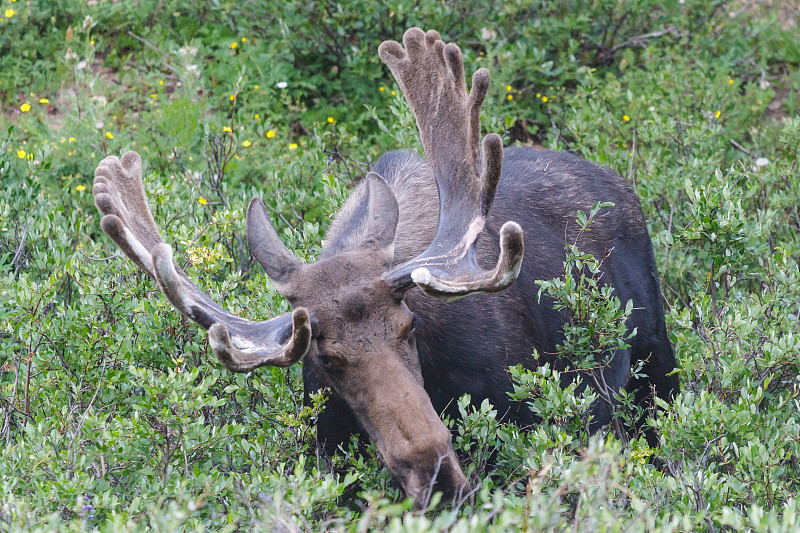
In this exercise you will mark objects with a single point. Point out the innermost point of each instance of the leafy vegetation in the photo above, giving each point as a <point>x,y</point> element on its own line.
<point>113,414</point>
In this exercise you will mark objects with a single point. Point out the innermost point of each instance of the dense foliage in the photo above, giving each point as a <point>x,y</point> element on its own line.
<point>114,415</point>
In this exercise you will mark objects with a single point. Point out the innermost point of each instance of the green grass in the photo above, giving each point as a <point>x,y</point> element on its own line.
<point>113,413</point>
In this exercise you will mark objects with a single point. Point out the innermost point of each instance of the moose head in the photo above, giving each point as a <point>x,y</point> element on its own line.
<point>349,318</point>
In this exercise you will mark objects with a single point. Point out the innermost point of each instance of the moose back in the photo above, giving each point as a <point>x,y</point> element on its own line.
<point>381,317</point>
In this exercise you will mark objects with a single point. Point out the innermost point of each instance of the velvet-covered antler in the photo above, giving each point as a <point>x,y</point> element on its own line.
<point>431,76</point>
<point>240,345</point>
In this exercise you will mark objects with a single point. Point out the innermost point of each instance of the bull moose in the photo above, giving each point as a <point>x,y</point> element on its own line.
<point>380,318</point>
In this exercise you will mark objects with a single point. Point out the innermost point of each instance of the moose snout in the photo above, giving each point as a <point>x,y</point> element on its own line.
<point>443,474</point>
<point>413,442</point>
<point>429,467</point>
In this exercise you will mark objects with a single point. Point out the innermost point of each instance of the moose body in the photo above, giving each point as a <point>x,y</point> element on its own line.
<point>466,346</point>
<point>381,319</point>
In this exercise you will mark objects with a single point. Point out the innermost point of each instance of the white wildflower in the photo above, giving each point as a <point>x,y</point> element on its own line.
<point>187,51</point>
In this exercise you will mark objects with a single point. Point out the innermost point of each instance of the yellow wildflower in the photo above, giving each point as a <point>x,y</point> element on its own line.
<point>161,82</point>
<point>381,89</point>
<point>270,134</point>
<point>202,201</point>
<point>25,107</point>
<point>255,86</point>
<point>80,188</point>
<point>538,95</point>
<point>730,82</point>
<point>91,42</point>
<point>72,139</point>
<point>246,144</point>
<point>626,118</point>
<point>256,116</point>
<point>233,97</point>
<point>234,45</point>
<point>154,95</point>
<point>293,146</point>
<point>717,114</point>
<point>227,129</point>
<point>109,135</point>
<point>330,119</point>
<point>544,99</point>
<point>44,101</point>
<point>10,13</point>
<point>630,154</point>
<point>393,93</point>
<point>510,97</point>
<point>244,39</point>
<point>508,88</point>
<point>21,154</point>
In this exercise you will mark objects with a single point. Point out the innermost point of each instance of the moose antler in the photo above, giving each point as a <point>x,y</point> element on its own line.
<point>241,345</point>
<point>431,76</point>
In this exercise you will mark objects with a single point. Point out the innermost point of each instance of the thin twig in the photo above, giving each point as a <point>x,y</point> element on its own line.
<point>109,258</point>
<point>641,40</point>
<point>89,406</point>
<point>7,419</point>
<point>164,56</point>
<point>20,247</point>
<point>742,148</point>
<point>632,161</point>
<point>763,77</point>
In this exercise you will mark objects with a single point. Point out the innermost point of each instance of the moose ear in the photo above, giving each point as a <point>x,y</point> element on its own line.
<point>382,214</point>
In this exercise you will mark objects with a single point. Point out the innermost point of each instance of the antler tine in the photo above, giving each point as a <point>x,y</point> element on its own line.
<point>431,75</point>
<point>277,351</point>
<point>120,196</point>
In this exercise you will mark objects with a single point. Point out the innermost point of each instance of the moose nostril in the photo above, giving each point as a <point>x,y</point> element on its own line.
<point>444,476</point>
<point>452,480</point>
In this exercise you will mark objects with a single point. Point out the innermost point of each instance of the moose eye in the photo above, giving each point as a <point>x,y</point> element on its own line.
<point>325,360</point>
<point>412,328</point>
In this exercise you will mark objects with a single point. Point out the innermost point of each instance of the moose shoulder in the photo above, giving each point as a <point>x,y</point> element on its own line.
<point>380,319</point>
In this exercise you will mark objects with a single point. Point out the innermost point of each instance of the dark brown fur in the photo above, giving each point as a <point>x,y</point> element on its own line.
<point>465,347</point>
